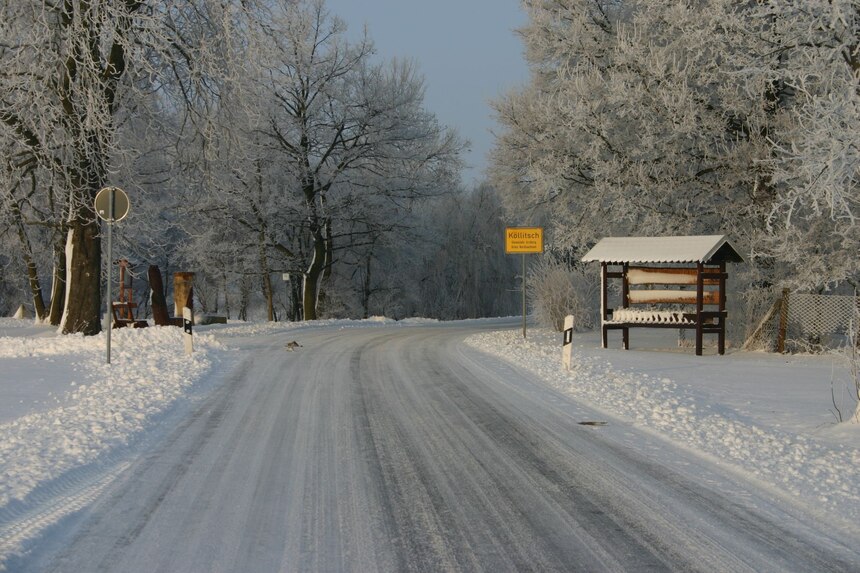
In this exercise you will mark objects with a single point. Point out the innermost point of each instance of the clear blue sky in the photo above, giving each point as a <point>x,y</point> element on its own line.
<point>466,49</point>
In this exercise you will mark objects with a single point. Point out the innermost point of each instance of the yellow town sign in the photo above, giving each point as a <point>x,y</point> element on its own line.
<point>524,240</point>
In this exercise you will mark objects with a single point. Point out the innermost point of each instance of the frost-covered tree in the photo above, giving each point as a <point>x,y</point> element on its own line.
<point>349,133</point>
<point>313,158</point>
<point>15,196</point>
<point>810,53</point>
<point>31,224</point>
<point>618,130</point>
<point>74,76</point>
<point>58,95</point>
<point>667,117</point>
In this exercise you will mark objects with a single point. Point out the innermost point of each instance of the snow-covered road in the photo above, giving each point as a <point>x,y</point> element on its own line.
<point>398,449</point>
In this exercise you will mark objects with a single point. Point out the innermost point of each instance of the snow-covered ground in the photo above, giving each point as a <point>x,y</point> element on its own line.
<point>770,417</point>
<point>62,409</point>
<point>62,405</point>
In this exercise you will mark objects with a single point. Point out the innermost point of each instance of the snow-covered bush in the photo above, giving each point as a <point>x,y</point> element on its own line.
<point>557,290</point>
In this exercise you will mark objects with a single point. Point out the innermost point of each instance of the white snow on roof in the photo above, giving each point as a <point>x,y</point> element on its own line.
<point>689,249</point>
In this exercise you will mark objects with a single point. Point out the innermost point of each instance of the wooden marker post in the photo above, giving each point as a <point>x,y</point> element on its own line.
<point>182,285</point>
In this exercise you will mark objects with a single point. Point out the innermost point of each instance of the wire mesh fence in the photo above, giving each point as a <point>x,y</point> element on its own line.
<point>800,322</point>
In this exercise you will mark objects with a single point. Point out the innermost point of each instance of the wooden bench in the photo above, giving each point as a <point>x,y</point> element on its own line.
<point>687,273</point>
<point>688,290</point>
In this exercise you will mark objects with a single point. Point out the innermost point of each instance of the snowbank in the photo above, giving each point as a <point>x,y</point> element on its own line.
<point>62,406</point>
<point>103,406</point>
<point>765,415</point>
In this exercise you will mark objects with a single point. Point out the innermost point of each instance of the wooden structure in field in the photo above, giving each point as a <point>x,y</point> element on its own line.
<point>665,282</point>
<point>123,309</point>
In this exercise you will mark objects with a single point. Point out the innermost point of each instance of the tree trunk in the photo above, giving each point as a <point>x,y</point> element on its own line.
<point>160,314</point>
<point>313,277</point>
<point>295,294</point>
<point>226,295</point>
<point>58,285</point>
<point>267,281</point>
<point>83,278</point>
<point>32,270</point>
<point>244,296</point>
<point>329,252</point>
<point>35,288</point>
<point>29,262</point>
<point>366,290</point>
<point>267,293</point>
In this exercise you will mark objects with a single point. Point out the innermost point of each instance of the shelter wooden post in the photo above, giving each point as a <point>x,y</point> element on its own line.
<point>721,336</point>
<point>700,307</point>
<point>625,303</point>
<point>604,308</point>
<point>783,322</point>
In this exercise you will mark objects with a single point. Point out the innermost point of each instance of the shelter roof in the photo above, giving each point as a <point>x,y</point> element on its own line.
<point>686,249</point>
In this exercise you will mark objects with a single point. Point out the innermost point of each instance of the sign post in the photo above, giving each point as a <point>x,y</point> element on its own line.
<point>111,205</point>
<point>524,240</point>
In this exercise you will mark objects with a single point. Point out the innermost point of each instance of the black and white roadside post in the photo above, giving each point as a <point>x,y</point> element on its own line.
<point>523,240</point>
<point>111,205</point>
<point>187,320</point>
<point>567,344</point>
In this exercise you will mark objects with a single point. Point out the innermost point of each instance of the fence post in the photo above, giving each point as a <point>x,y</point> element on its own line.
<point>783,322</point>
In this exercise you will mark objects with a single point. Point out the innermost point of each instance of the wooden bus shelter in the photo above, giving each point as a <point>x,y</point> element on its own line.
<point>666,282</point>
